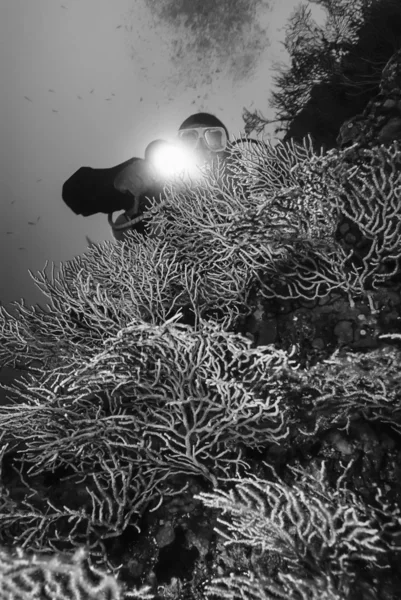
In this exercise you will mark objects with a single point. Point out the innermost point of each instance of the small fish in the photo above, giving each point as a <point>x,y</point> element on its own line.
<point>9,232</point>
<point>37,181</point>
<point>52,91</point>
<point>54,110</point>
<point>37,219</point>
<point>113,94</point>
<point>21,248</point>
<point>140,99</point>
<point>92,90</point>
<point>26,98</point>
<point>12,202</point>
<point>80,97</point>
<point>118,26</point>
<point>31,223</point>
<point>62,6</point>
<point>107,98</point>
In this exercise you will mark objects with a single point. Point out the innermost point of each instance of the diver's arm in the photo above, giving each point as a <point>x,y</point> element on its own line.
<point>90,191</point>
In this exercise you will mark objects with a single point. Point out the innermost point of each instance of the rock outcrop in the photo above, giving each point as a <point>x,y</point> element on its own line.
<point>380,122</point>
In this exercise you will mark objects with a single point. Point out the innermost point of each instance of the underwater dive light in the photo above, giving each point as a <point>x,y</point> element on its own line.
<point>173,160</point>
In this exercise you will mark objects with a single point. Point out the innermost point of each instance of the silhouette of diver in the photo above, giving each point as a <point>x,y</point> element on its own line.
<point>129,185</point>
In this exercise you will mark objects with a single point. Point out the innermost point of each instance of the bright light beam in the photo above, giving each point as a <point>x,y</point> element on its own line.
<point>172,161</point>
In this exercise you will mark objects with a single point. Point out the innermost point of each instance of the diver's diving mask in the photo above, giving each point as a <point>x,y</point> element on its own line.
<point>215,138</point>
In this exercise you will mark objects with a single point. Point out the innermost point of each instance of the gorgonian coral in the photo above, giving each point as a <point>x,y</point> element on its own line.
<point>122,419</point>
<point>272,222</point>
<point>320,537</point>
<point>58,576</point>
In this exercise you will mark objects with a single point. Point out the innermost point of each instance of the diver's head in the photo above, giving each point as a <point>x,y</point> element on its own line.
<point>205,135</point>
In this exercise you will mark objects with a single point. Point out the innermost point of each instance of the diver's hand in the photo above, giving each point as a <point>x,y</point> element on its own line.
<point>136,178</point>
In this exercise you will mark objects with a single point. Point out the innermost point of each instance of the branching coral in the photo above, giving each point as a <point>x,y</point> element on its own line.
<point>350,384</point>
<point>372,201</point>
<point>238,226</point>
<point>321,535</point>
<point>151,404</point>
<point>114,285</point>
<point>197,393</point>
<point>31,576</point>
<point>272,223</point>
<point>98,501</point>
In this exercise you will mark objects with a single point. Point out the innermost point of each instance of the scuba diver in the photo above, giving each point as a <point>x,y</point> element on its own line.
<point>201,138</point>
